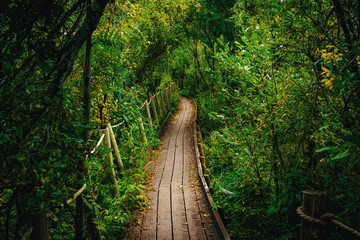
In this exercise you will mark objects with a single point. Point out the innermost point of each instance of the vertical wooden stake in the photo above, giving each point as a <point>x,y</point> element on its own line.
<point>163,105</point>
<point>314,205</point>
<point>167,98</point>
<point>142,130</point>
<point>40,226</point>
<point>170,91</point>
<point>111,162</point>
<point>148,112</point>
<point>117,153</point>
<point>158,101</point>
<point>154,108</point>
<point>201,146</point>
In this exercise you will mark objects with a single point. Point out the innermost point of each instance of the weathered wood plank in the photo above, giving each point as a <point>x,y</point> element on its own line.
<point>178,209</point>
<point>165,220</point>
<point>180,228</point>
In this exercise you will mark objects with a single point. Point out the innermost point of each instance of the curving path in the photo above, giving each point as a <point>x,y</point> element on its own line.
<point>177,205</point>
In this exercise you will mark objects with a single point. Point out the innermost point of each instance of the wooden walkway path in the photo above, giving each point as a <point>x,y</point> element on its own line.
<point>178,208</point>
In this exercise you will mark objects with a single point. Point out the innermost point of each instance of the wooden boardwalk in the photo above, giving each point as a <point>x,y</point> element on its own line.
<point>178,208</point>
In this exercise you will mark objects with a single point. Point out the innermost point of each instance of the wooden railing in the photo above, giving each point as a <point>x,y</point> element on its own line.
<point>204,179</point>
<point>314,219</point>
<point>157,118</point>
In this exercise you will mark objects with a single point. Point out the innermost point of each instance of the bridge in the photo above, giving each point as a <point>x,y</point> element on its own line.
<point>178,205</point>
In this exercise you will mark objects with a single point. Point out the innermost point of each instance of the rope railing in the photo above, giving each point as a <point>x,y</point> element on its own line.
<point>117,125</point>
<point>314,218</point>
<point>98,144</point>
<point>325,220</point>
<point>139,108</point>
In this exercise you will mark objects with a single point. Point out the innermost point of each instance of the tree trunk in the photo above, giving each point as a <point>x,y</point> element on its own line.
<point>67,58</point>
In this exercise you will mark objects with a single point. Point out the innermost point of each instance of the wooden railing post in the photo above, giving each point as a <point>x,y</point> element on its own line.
<point>148,112</point>
<point>154,108</point>
<point>40,226</point>
<point>159,104</point>
<point>167,97</point>
<point>314,205</point>
<point>163,105</point>
<point>142,130</point>
<point>111,162</point>
<point>117,153</point>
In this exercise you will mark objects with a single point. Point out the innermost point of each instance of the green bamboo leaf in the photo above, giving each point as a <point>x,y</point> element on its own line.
<point>341,155</point>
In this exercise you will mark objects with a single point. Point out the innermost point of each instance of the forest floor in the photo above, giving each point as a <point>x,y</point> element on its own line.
<point>177,205</point>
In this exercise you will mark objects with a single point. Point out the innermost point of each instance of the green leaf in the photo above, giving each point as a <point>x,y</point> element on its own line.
<point>323,149</point>
<point>341,155</point>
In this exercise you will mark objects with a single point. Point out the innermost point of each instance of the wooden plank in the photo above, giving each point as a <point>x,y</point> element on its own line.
<point>215,214</point>
<point>164,228</point>
<point>164,218</point>
<point>148,230</point>
<point>209,225</point>
<point>180,228</point>
<point>196,230</point>
<point>178,208</point>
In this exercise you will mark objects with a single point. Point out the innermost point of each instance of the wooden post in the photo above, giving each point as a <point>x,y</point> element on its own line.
<point>201,146</point>
<point>154,108</point>
<point>158,101</point>
<point>111,162</point>
<point>163,105</point>
<point>148,112</point>
<point>170,91</point>
<point>142,130</point>
<point>314,205</point>
<point>117,153</point>
<point>40,226</point>
<point>167,98</point>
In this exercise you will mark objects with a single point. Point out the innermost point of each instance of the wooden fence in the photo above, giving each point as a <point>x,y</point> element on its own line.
<point>315,222</point>
<point>204,179</point>
<point>160,105</point>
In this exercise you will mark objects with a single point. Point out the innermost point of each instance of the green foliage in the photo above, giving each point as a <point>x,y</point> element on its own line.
<point>277,108</point>
<point>42,109</point>
<point>277,85</point>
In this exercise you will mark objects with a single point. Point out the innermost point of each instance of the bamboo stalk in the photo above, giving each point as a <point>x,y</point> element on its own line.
<point>117,153</point>
<point>154,108</point>
<point>148,113</point>
<point>111,162</point>
<point>158,101</point>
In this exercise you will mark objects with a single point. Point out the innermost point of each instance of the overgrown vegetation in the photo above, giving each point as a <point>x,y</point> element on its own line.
<point>276,82</point>
<point>279,103</point>
<point>48,125</point>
